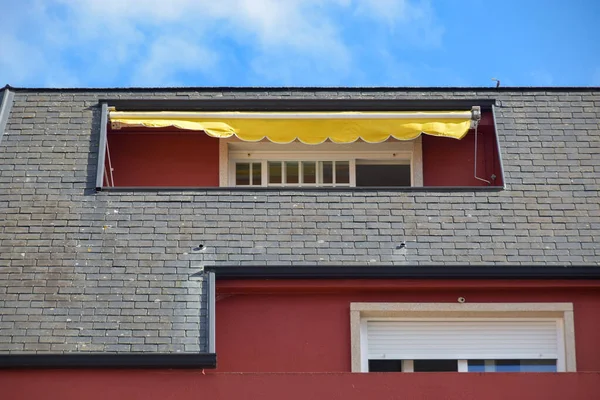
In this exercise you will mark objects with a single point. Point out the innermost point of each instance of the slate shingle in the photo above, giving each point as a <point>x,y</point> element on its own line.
<point>111,271</point>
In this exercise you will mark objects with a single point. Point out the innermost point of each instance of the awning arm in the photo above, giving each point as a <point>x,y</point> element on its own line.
<point>474,114</point>
<point>308,127</point>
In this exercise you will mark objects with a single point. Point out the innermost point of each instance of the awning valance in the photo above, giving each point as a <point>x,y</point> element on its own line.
<point>307,127</point>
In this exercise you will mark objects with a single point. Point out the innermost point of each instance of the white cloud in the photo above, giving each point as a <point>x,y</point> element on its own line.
<point>387,10</point>
<point>20,59</point>
<point>413,21</point>
<point>25,58</point>
<point>168,55</point>
<point>155,42</point>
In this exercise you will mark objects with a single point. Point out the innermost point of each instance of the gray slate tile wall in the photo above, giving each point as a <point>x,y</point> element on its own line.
<point>112,271</point>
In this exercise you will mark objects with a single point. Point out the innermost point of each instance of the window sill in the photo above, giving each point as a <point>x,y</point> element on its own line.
<point>432,189</point>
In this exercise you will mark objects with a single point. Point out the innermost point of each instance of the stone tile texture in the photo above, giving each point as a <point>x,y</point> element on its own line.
<point>82,271</point>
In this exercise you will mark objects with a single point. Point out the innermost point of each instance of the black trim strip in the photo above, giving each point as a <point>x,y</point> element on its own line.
<point>405,272</point>
<point>108,360</point>
<point>498,148</point>
<point>317,89</point>
<point>211,307</point>
<point>303,190</point>
<point>6,103</point>
<point>102,146</point>
<point>330,104</point>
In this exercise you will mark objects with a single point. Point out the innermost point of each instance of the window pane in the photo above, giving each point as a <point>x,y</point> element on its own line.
<point>256,174</point>
<point>382,174</point>
<point>385,365</point>
<point>538,365</point>
<point>508,365</point>
<point>435,365</point>
<point>476,366</point>
<point>512,365</point>
<point>242,174</point>
<point>525,365</point>
<point>292,172</point>
<point>274,172</point>
<point>342,172</point>
<point>327,171</point>
<point>309,172</point>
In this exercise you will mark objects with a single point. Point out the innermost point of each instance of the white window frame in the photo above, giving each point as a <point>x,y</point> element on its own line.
<point>286,157</point>
<point>233,150</point>
<point>360,313</point>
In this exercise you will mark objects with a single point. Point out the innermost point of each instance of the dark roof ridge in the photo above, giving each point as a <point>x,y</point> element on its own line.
<point>318,88</point>
<point>405,272</point>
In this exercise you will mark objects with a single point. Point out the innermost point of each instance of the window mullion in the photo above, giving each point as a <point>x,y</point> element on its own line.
<point>318,172</point>
<point>463,366</point>
<point>333,173</point>
<point>408,366</point>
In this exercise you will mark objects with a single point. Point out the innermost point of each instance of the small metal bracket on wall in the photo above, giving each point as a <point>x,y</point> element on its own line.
<point>475,116</point>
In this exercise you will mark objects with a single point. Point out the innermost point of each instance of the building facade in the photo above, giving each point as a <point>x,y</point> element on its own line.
<point>300,242</point>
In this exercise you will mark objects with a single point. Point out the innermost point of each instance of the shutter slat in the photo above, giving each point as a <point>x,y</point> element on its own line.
<point>462,340</point>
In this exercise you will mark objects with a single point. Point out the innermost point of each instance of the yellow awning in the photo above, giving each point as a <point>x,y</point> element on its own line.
<point>306,127</point>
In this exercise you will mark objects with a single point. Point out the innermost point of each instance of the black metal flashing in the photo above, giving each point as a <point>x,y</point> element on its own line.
<point>102,145</point>
<point>498,148</point>
<point>211,312</point>
<point>307,190</point>
<point>108,360</point>
<point>330,104</point>
<point>405,272</point>
<point>238,89</point>
<point>6,102</point>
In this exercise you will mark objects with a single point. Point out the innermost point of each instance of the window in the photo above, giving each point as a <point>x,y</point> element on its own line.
<point>485,337</point>
<point>292,173</point>
<point>392,164</point>
<point>321,143</point>
<point>462,365</point>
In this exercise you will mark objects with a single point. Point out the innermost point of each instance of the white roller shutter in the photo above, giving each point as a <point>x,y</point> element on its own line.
<point>460,340</point>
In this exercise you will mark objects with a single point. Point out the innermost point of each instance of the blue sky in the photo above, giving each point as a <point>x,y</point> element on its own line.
<point>115,43</point>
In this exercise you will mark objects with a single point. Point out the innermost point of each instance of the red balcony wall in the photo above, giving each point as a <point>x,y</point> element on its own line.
<point>163,157</point>
<point>451,162</point>
<point>188,385</point>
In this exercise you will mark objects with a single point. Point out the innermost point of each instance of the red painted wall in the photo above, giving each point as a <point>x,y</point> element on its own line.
<point>163,158</point>
<point>450,162</point>
<point>188,385</point>
<point>310,332</point>
<point>300,329</point>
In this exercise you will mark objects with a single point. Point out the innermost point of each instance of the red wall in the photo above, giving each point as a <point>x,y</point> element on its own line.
<point>188,385</point>
<point>167,158</point>
<point>301,330</point>
<point>310,332</point>
<point>450,162</point>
